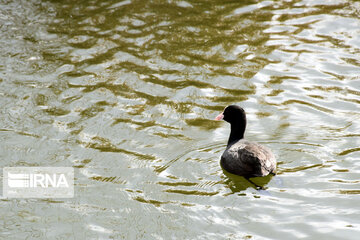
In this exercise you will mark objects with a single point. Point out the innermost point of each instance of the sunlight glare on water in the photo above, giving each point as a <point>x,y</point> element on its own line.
<point>126,93</point>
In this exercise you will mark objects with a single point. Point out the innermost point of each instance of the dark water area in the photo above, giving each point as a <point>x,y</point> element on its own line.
<point>126,93</point>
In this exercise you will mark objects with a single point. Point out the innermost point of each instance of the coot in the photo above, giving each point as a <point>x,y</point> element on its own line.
<point>242,157</point>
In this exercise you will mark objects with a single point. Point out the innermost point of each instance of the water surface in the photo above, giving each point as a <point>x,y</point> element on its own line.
<point>125,92</point>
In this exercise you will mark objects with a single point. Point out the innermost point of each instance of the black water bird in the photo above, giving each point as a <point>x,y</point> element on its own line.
<point>242,157</point>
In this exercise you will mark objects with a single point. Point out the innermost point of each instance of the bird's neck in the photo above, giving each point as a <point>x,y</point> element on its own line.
<point>237,133</point>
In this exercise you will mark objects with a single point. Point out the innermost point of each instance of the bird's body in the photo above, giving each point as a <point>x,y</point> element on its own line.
<point>242,157</point>
<point>248,159</point>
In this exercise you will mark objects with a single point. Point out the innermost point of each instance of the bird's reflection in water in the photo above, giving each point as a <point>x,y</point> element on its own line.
<point>238,183</point>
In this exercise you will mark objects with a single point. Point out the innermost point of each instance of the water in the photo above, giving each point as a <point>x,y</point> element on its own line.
<point>125,92</point>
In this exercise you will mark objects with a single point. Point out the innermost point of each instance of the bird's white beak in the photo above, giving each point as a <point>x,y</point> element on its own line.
<point>220,117</point>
